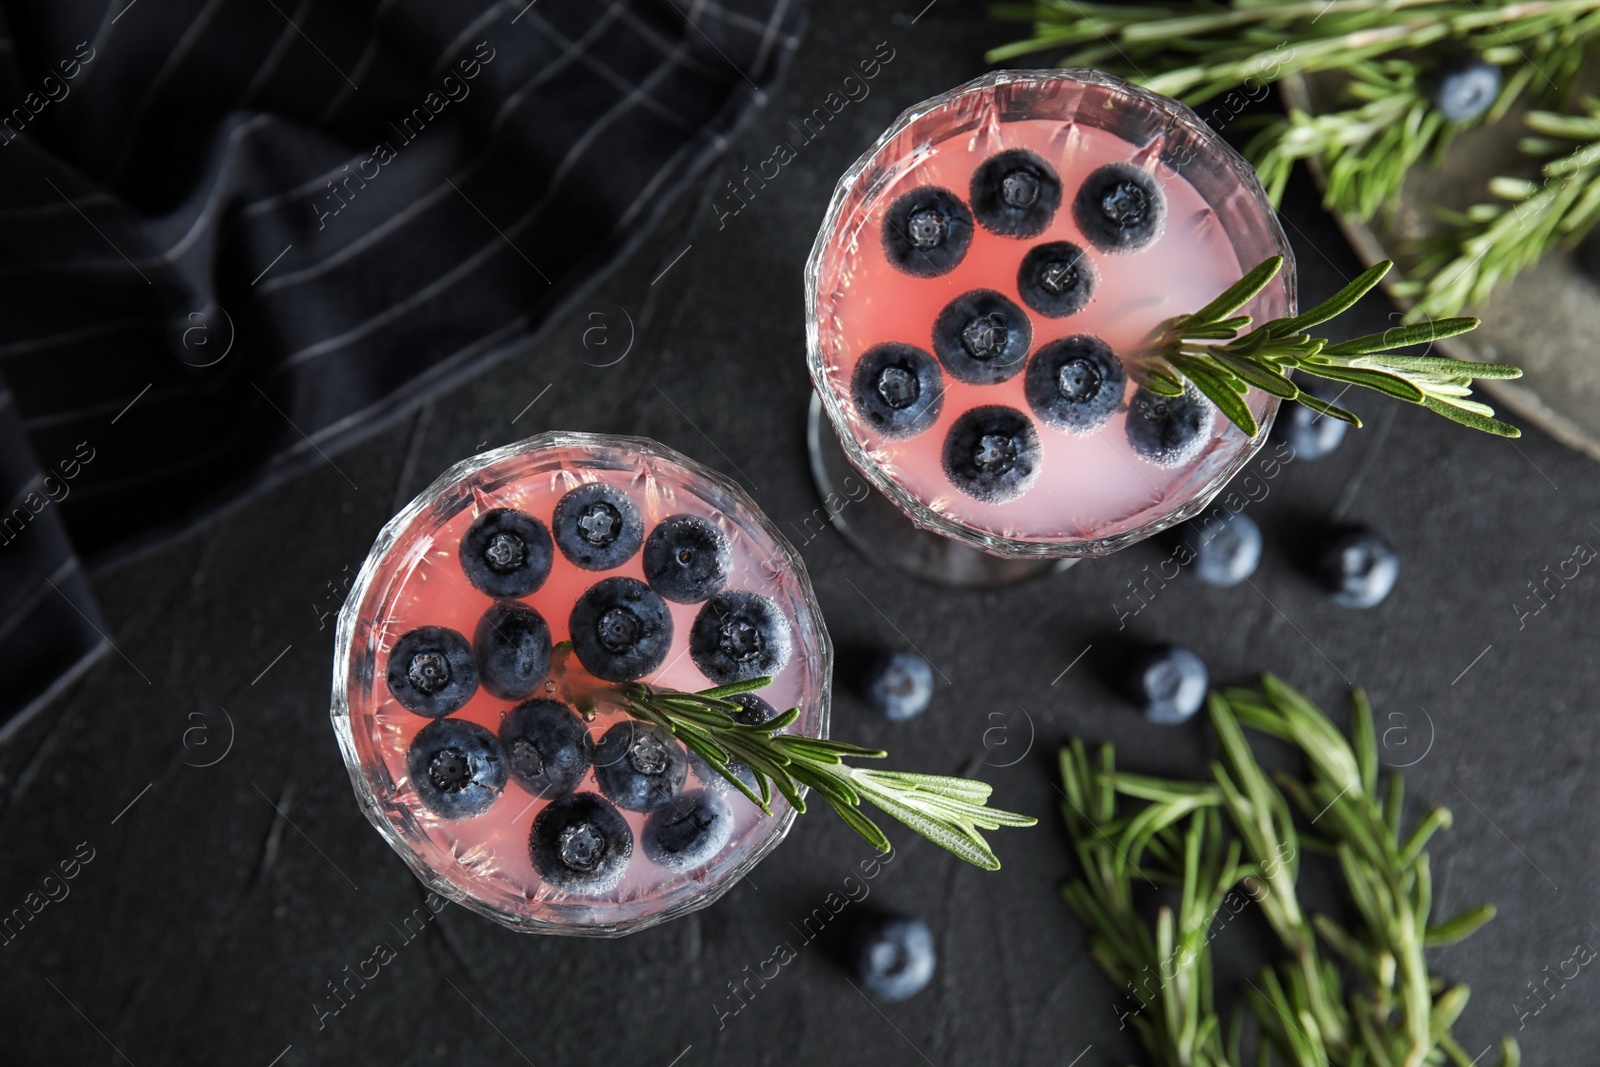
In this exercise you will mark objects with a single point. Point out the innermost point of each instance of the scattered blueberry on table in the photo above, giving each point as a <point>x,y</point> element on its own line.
<point>898,685</point>
<point>1168,683</point>
<point>1225,546</point>
<point>892,956</point>
<point>1358,567</point>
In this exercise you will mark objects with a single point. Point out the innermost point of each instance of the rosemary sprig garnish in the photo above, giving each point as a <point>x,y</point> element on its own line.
<point>947,811</point>
<point>1491,242</point>
<point>1212,349</point>
<point>1339,996</point>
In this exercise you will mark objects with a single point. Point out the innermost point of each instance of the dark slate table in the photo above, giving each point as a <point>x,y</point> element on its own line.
<point>204,926</point>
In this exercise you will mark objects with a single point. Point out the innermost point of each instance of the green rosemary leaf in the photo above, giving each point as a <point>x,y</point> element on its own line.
<point>1389,384</point>
<point>1403,337</point>
<point>1455,413</point>
<point>1263,377</point>
<point>1330,410</point>
<point>1240,292</point>
<point>1219,390</point>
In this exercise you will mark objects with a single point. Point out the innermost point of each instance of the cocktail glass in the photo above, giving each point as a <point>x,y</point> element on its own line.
<point>471,729</point>
<point>984,276</point>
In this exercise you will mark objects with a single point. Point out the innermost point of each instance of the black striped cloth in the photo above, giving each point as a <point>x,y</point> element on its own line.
<point>238,234</point>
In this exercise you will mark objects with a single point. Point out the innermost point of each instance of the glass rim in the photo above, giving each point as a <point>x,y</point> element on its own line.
<point>373,806</point>
<point>920,513</point>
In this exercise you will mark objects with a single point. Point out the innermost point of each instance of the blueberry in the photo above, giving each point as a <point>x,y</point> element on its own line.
<point>1075,384</point>
<point>982,338</point>
<point>1056,279</point>
<point>639,766</point>
<point>547,747</point>
<point>1169,431</point>
<point>926,232</point>
<point>456,767</point>
<point>755,711</point>
<point>1015,194</point>
<point>899,685</point>
<point>1168,683</point>
<point>620,629</point>
<point>898,389</point>
<point>1225,546</point>
<point>892,956</point>
<point>992,453</point>
<point>1119,208</point>
<point>431,671</point>
<point>687,831</point>
<point>581,844</point>
<point>1309,434</point>
<point>507,553</point>
<point>597,527</point>
<point>1465,86</point>
<point>1358,567</point>
<point>738,636</point>
<point>512,643</point>
<point>686,559</point>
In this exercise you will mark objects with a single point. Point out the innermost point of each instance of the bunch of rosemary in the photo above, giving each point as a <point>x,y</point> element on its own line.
<point>1358,996</point>
<point>1382,122</point>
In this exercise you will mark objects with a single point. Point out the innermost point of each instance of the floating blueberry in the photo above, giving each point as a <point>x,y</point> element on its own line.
<point>1358,567</point>
<point>992,453</point>
<point>456,767</point>
<point>1075,384</point>
<point>581,844</point>
<point>898,389</point>
<point>926,232</point>
<point>1168,683</point>
<point>892,956</point>
<point>899,685</point>
<point>1465,86</point>
<point>547,746</point>
<point>512,644</point>
<point>686,559</point>
<point>597,526</point>
<point>1225,546</point>
<point>1120,208</point>
<point>1169,431</point>
<point>507,553</point>
<point>639,766</point>
<point>431,671</point>
<point>620,629</point>
<point>687,831</point>
<point>1056,279</point>
<point>738,636</point>
<point>1015,194</point>
<point>982,338</point>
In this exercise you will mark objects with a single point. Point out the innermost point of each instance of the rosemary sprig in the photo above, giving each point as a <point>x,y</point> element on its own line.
<point>1208,349</point>
<point>1492,242</point>
<point>1339,996</point>
<point>947,811</point>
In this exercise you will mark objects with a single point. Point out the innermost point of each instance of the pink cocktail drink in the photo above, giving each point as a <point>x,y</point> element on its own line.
<point>983,284</point>
<point>480,643</point>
